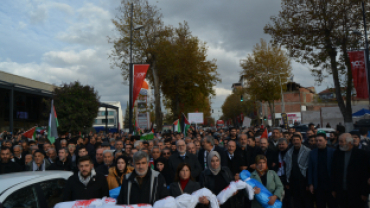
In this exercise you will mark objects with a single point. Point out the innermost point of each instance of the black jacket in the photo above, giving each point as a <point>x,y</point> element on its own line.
<point>103,169</point>
<point>235,163</point>
<point>189,188</point>
<point>175,160</point>
<point>59,165</point>
<point>9,167</point>
<point>357,174</point>
<point>143,194</point>
<point>75,190</point>
<point>207,180</point>
<point>220,151</point>
<point>272,157</point>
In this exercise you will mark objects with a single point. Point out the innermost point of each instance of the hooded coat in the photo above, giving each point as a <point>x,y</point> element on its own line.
<point>114,180</point>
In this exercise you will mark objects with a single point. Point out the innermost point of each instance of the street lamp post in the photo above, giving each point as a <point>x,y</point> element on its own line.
<point>366,49</point>
<point>131,69</point>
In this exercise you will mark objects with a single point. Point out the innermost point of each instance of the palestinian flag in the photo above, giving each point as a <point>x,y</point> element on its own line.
<point>185,125</point>
<point>136,128</point>
<point>53,124</point>
<point>30,132</point>
<point>176,126</point>
<point>147,136</point>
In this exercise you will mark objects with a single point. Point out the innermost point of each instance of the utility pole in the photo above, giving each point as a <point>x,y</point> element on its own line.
<point>366,49</point>
<point>131,70</point>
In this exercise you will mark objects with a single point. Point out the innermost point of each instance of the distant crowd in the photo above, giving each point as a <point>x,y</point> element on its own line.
<point>302,169</point>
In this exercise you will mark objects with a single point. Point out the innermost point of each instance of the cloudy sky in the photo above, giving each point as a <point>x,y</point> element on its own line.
<point>65,41</point>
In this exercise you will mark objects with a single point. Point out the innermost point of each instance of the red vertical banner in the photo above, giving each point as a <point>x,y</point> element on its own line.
<point>139,76</point>
<point>359,75</point>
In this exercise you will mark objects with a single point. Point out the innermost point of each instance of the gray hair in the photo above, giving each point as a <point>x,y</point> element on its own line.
<point>51,149</point>
<point>108,151</point>
<point>112,140</point>
<point>156,147</point>
<point>209,139</point>
<point>140,155</point>
<point>118,141</point>
<point>276,129</point>
<point>20,147</point>
<point>63,141</point>
<point>65,149</point>
<point>177,142</point>
<point>282,140</point>
<point>348,137</point>
<point>137,143</point>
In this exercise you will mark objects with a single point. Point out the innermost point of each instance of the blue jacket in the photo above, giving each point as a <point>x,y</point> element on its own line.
<point>312,174</point>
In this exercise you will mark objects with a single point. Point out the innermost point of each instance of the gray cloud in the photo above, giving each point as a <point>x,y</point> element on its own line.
<point>80,50</point>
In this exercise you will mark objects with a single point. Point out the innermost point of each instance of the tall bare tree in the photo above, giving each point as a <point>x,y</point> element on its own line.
<point>318,33</point>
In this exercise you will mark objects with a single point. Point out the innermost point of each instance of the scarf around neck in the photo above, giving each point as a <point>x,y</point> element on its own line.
<point>210,156</point>
<point>36,168</point>
<point>86,180</point>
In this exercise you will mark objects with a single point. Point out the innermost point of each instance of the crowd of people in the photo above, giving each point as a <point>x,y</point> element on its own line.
<point>309,169</point>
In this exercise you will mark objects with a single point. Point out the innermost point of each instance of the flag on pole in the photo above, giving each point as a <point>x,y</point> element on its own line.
<point>176,126</point>
<point>185,125</point>
<point>137,130</point>
<point>30,132</point>
<point>265,134</point>
<point>53,124</point>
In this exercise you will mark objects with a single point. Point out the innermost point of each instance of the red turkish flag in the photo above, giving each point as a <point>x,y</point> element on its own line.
<point>358,66</point>
<point>139,76</point>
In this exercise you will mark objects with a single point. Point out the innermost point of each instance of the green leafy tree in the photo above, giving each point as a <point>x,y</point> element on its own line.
<point>76,105</point>
<point>319,33</point>
<point>233,107</point>
<point>263,70</point>
<point>186,76</point>
<point>143,43</point>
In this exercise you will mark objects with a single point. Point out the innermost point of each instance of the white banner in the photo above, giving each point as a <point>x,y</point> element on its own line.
<point>196,118</point>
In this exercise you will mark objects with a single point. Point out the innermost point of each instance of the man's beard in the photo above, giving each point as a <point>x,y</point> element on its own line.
<point>344,148</point>
<point>85,174</point>
<point>141,174</point>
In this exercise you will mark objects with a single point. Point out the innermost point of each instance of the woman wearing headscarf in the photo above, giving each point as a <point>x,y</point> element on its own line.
<point>117,173</point>
<point>269,179</point>
<point>161,165</point>
<point>217,178</point>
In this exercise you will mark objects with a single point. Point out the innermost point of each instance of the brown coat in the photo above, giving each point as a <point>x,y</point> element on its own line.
<point>112,177</point>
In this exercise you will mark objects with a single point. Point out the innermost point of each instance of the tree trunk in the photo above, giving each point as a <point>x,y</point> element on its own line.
<point>271,112</point>
<point>348,112</point>
<point>334,67</point>
<point>157,98</point>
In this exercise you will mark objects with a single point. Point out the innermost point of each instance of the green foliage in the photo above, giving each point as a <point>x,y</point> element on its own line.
<point>232,107</point>
<point>186,76</point>
<point>76,105</point>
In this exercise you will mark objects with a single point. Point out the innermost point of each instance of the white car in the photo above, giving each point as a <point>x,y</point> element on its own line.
<point>29,189</point>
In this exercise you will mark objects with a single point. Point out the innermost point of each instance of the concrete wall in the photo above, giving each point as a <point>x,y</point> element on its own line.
<point>331,115</point>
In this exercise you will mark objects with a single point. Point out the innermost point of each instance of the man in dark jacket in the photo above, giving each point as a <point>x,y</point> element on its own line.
<point>181,156</point>
<point>235,159</point>
<point>63,162</point>
<point>209,145</point>
<point>142,186</point>
<point>271,155</point>
<point>349,174</point>
<point>108,162</point>
<point>319,170</point>
<point>86,184</point>
<point>6,165</point>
